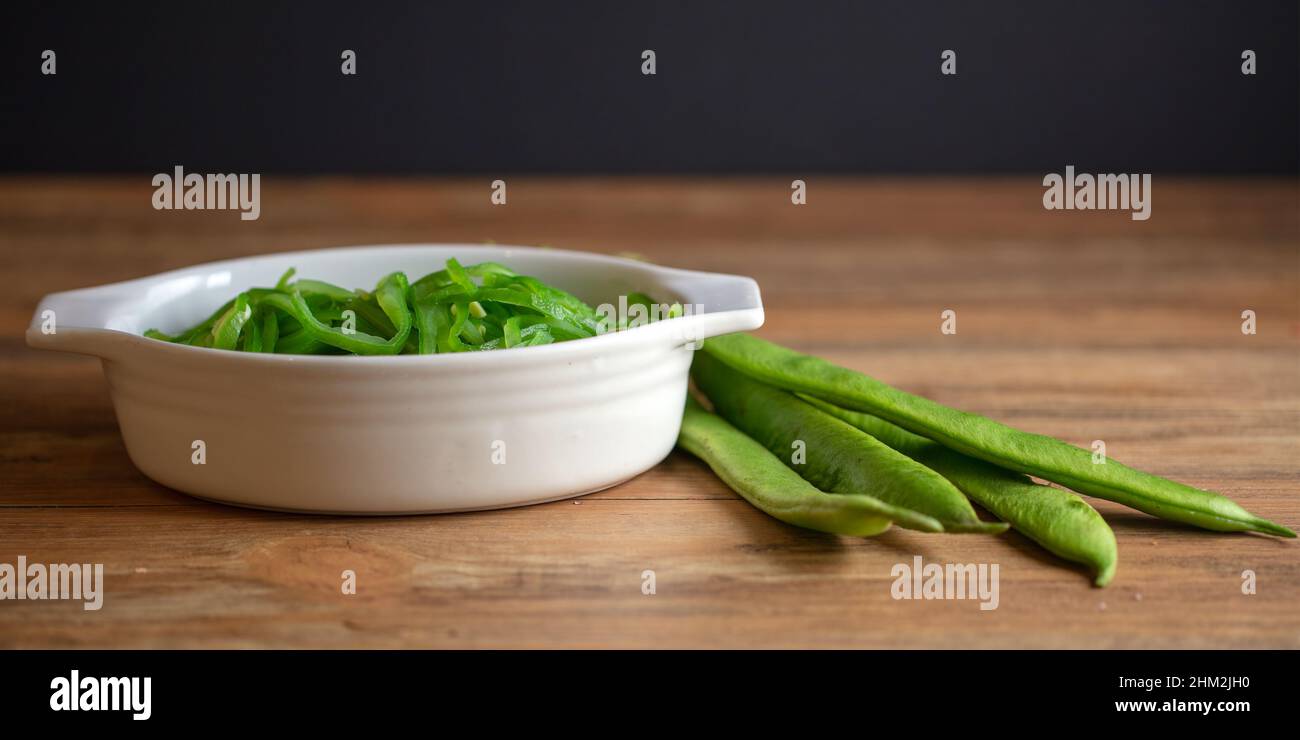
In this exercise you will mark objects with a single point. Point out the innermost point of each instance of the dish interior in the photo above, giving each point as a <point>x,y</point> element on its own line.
<point>178,301</point>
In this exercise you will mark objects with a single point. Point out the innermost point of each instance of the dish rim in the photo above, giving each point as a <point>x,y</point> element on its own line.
<point>643,335</point>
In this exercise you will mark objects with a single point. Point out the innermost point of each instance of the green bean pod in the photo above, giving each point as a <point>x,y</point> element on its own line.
<point>1060,521</point>
<point>766,483</point>
<point>985,439</point>
<point>839,458</point>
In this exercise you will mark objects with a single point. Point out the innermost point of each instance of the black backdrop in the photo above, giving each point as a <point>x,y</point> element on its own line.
<point>1106,85</point>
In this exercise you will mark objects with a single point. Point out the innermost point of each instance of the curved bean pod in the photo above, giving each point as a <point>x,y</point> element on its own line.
<point>840,458</point>
<point>766,483</point>
<point>979,437</point>
<point>1060,521</point>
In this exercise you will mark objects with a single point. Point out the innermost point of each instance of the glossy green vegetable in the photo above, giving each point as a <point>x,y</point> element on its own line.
<point>1060,521</point>
<point>391,297</point>
<point>766,483</point>
<point>983,438</point>
<point>457,309</point>
<point>836,457</point>
<point>196,334</point>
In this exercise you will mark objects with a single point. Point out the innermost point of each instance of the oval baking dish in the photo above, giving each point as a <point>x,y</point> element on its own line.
<point>395,434</point>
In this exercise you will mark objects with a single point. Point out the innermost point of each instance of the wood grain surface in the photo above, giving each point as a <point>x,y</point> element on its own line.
<point>1082,325</point>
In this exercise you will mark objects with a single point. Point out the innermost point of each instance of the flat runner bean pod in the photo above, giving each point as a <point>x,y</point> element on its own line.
<point>839,458</point>
<point>983,438</point>
<point>1060,521</point>
<point>767,484</point>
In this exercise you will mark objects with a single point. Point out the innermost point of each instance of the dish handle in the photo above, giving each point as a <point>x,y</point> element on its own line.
<point>95,321</point>
<point>715,304</point>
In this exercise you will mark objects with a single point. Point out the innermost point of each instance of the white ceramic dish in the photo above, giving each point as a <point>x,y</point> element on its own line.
<point>403,434</point>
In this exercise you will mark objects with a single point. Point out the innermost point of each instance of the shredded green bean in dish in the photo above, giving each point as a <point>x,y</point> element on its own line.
<point>458,309</point>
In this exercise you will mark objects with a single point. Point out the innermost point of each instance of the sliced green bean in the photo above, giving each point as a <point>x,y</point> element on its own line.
<point>458,276</point>
<point>252,339</point>
<point>1060,521</point>
<point>441,294</point>
<point>536,335</point>
<point>458,309</point>
<point>225,333</point>
<point>322,289</point>
<point>983,438</point>
<point>487,271</point>
<point>365,307</point>
<point>283,282</point>
<point>511,332</point>
<point>270,329</point>
<point>541,303</point>
<point>391,296</point>
<point>766,483</point>
<point>426,325</point>
<point>301,342</point>
<point>449,340</point>
<point>578,312</point>
<point>838,457</point>
<point>472,331</point>
<point>202,328</point>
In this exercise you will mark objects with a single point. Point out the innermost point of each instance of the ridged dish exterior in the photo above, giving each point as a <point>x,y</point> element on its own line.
<point>395,435</point>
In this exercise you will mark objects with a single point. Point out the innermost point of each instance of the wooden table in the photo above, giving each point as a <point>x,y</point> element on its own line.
<point>1082,325</point>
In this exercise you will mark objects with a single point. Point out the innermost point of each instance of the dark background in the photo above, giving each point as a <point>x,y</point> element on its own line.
<point>1110,86</point>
